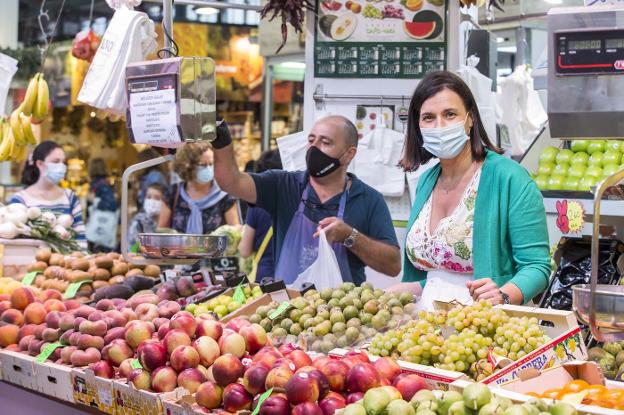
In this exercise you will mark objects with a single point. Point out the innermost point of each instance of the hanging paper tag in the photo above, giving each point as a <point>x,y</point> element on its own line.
<point>30,277</point>
<point>261,400</point>
<point>72,289</point>
<point>47,350</point>
<point>135,364</point>
<point>239,295</point>
<point>278,312</point>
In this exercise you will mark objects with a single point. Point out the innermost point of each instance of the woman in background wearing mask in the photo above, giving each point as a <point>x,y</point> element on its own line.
<point>199,206</point>
<point>146,220</point>
<point>477,230</point>
<point>42,174</point>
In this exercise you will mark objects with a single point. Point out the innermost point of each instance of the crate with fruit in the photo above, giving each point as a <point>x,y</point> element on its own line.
<point>610,357</point>
<point>228,302</point>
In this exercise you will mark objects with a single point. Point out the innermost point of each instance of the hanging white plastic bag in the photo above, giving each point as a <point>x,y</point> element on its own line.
<point>324,272</point>
<point>292,149</point>
<point>8,67</point>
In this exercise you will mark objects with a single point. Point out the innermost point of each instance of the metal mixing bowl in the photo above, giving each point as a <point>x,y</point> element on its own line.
<point>181,246</point>
<point>609,301</point>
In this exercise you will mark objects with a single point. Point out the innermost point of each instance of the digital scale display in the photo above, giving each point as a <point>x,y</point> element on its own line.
<point>585,52</point>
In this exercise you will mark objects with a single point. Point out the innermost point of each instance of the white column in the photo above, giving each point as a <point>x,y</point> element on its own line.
<point>8,23</point>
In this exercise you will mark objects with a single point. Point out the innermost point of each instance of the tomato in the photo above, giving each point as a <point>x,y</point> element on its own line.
<point>576,386</point>
<point>551,394</point>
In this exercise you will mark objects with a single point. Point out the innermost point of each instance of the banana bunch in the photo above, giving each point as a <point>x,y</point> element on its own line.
<point>35,103</point>
<point>7,141</point>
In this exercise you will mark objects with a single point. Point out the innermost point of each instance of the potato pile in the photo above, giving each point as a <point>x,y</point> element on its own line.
<point>103,270</point>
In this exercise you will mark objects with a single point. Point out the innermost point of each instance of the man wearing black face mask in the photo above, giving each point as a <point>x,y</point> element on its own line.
<point>353,215</point>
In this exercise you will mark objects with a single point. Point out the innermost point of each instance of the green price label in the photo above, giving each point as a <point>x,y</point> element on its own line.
<point>278,312</point>
<point>30,277</point>
<point>135,364</point>
<point>47,350</point>
<point>72,289</point>
<point>239,295</point>
<point>261,400</point>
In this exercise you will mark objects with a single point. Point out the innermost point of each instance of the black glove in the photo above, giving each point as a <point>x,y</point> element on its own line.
<point>224,138</point>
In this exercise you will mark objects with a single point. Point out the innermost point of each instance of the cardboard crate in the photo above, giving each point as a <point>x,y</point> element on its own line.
<point>434,377</point>
<point>130,401</point>
<point>184,405</point>
<point>265,299</point>
<point>54,380</point>
<point>17,368</point>
<point>93,391</point>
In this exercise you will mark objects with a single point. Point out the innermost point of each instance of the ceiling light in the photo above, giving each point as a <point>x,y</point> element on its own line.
<point>554,1</point>
<point>293,65</point>
<point>206,10</point>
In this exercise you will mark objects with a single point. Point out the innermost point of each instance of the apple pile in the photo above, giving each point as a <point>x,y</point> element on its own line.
<point>299,384</point>
<point>586,163</point>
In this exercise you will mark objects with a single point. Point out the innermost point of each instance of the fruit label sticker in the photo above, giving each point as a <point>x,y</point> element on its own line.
<point>261,400</point>
<point>72,289</point>
<point>47,350</point>
<point>30,277</point>
<point>379,39</point>
<point>570,216</point>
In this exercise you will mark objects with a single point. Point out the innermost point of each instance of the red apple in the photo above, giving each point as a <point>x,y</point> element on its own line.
<point>268,355</point>
<point>232,343</point>
<point>321,380</point>
<point>336,373</point>
<point>116,352</point>
<point>255,337</point>
<point>387,368</point>
<point>254,379</point>
<point>330,405</point>
<point>184,357</point>
<point>362,377</point>
<point>275,405</point>
<point>409,384</point>
<point>320,361</point>
<point>208,350</point>
<point>288,348</point>
<point>237,323</point>
<point>209,395</point>
<point>302,387</point>
<point>164,379</point>
<point>137,331</point>
<point>190,379</point>
<point>152,354</point>
<point>102,369</point>
<point>163,330</point>
<point>300,358</point>
<point>125,368</point>
<point>227,369</point>
<point>175,338</point>
<point>307,408</point>
<point>140,379</point>
<point>278,377</point>
<point>362,356</point>
<point>236,398</point>
<point>354,397</point>
<point>209,328</point>
<point>184,321</point>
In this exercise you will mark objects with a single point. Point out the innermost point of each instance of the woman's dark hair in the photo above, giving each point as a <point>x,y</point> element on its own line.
<point>414,154</point>
<point>30,175</point>
<point>97,168</point>
<point>269,160</point>
<point>159,187</point>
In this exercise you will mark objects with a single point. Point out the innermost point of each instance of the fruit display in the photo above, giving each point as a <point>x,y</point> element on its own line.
<point>610,357</point>
<point>476,398</point>
<point>586,163</point>
<point>337,317</point>
<point>223,304</point>
<point>475,329</point>
<point>234,234</point>
<point>20,221</point>
<point>580,391</point>
<point>105,275</point>
<point>8,285</point>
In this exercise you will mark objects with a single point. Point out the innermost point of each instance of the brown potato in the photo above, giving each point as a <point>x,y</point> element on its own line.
<point>100,274</point>
<point>76,276</point>
<point>37,266</point>
<point>118,279</point>
<point>104,262</point>
<point>119,268</point>
<point>80,264</point>
<point>152,271</point>
<point>43,254</point>
<point>57,259</point>
<point>133,272</point>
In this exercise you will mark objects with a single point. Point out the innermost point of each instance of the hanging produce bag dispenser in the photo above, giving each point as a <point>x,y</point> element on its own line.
<point>171,101</point>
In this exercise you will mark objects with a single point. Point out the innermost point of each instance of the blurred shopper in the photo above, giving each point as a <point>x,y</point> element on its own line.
<point>102,221</point>
<point>146,220</point>
<point>156,174</point>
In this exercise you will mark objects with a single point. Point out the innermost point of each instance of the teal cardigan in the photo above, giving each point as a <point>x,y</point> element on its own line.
<point>510,238</point>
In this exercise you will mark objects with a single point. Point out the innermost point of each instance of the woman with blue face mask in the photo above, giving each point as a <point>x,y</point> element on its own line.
<point>477,229</point>
<point>198,205</point>
<point>44,170</point>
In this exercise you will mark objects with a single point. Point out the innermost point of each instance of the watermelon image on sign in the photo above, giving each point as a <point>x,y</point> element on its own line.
<point>426,24</point>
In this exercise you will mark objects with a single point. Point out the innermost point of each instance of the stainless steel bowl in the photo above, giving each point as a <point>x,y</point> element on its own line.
<point>609,301</point>
<point>181,246</point>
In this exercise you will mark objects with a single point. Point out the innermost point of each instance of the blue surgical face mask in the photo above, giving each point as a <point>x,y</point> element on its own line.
<point>446,142</point>
<point>204,174</point>
<point>55,172</point>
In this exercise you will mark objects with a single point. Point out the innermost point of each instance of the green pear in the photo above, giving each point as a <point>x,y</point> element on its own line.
<point>458,408</point>
<point>502,401</point>
<point>476,395</point>
<point>354,409</point>
<point>399,407</point>
<point>376,400</point>
<point>427,406</point>
<point>516,410</point>
<point>491,408</point>
<point>562,408</point>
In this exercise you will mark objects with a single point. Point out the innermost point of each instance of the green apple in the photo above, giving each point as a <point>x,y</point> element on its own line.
<point>555,182</point>
<point>564,156</point>
<point>561,169</point>
<point>571,183</point>
<point>587,182</point>
<point>542,182</point>
<point>615,145</point>
<point>546,168</point>
<point>611,157</point>
<point>577,170</point>
<point>596,145</point>
<point>609,169</point>
<point>596,159</point>
<point>549,154</point>
<point>579,145</point>
<point>580,158</point>
<point>595,171</point>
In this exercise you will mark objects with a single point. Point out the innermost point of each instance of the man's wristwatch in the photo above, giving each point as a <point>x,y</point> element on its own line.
<point>350,240</point>
<point>506,299</point>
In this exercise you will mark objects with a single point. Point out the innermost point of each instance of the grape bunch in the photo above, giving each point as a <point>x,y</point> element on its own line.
<point>391,12</point>
<point>372,12</point>
<point>478,330</point>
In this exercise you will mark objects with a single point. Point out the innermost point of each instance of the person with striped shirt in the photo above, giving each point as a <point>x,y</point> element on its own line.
<point>44,170</point>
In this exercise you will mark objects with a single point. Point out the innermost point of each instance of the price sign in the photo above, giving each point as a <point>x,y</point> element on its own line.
<point>72,289</point>
<point>280,310</point>
<point>47,350</point>
<point>30,277</point>
<point>261,400</point>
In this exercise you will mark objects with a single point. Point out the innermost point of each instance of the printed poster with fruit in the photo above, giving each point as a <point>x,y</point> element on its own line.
<point>380,38</point>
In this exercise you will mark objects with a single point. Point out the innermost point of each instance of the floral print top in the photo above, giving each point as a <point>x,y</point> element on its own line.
<point>449,247</point>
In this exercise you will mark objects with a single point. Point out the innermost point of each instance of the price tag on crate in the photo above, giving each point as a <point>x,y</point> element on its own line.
<point>73,288</point>
<point>279,310</point>
<point>261,400</point>
<point>47,350</point>
<point>30,277</point>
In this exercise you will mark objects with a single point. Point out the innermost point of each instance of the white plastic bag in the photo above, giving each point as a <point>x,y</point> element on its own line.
<point>8,67</point>
<point>324,272</point>
<point>292,149</point>
<point>101,228</point>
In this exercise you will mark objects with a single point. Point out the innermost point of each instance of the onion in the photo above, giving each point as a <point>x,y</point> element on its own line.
<point>18,218</point>
<point>49,217</point>
<point>33,212</point>
<point>17,207</point>
<point>61,232</point>
<point>65,221</point>
<point>9,230</point>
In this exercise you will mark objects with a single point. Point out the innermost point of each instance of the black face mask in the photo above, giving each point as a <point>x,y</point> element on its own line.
<point>320,164</point>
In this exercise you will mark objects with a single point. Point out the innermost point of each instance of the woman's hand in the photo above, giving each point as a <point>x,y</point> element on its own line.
<point>411,287</point>
<point>485,289</point>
